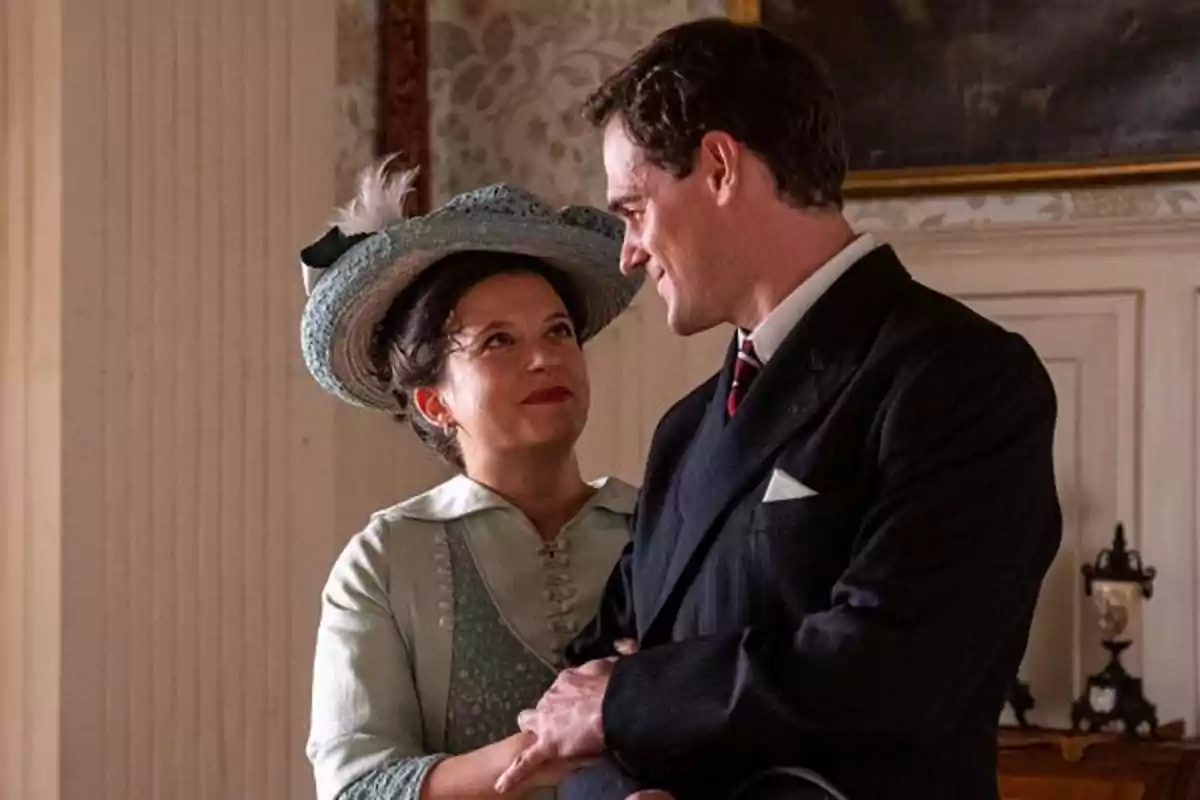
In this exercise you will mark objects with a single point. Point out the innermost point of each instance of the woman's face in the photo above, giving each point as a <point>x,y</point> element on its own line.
<point>515,376</point>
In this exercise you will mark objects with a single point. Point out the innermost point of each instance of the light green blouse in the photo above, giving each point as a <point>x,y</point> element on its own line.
<point>441,620</point>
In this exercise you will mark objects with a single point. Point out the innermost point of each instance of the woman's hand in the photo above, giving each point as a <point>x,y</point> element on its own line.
<point>549,775</point>
<point>471,776</point>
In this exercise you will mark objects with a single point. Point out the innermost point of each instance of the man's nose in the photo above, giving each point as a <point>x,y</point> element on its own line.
<point>633,257</point>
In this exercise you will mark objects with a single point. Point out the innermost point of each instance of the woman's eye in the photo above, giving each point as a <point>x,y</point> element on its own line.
<point>497,340</point>
<point>562,330</point>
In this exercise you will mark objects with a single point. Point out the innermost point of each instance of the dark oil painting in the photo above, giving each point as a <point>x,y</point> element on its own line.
<point>987,88</point>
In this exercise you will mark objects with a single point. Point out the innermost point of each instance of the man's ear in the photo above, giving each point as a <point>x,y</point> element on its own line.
<point>720,160</point>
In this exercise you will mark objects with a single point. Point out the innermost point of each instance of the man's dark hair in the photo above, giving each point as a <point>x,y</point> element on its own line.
<point>717,75</point>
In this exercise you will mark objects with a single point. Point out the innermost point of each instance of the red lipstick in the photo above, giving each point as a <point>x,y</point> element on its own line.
<point>553,394</point>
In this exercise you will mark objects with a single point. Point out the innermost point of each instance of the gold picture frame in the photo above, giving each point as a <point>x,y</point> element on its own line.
<point>997,176</point>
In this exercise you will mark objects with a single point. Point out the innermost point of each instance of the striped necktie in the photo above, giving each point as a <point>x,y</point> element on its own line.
<point>745,370</point>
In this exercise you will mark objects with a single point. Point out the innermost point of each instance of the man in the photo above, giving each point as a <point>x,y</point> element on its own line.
<point>842,535</point>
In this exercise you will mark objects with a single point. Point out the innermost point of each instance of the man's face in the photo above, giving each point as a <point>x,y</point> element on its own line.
<point>671,231</point>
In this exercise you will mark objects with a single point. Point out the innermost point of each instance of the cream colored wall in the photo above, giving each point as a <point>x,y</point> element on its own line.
<point>31,384</point>
<point>173,486</point>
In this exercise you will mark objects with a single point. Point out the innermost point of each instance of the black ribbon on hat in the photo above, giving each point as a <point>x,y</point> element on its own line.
<point>324,252</point>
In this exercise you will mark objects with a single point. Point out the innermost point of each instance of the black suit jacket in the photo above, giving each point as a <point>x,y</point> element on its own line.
<point>868,631</point>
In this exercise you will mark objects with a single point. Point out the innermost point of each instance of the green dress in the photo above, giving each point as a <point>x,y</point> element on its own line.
<point>500,602</point>
<point>493,677</point>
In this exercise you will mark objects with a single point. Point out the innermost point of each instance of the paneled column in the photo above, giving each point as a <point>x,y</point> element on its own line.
<point>174,485</point>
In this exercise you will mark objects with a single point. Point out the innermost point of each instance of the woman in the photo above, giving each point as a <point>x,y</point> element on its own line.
<point>446,615</point>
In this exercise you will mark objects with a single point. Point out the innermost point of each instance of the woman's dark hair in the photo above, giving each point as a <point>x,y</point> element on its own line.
<point>413,338</point>
<point>715,75</point>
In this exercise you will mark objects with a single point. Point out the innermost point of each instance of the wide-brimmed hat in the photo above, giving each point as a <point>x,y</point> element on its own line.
<point>352,276</point>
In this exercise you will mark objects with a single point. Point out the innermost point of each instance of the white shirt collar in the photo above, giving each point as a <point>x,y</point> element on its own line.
<point>461,496</point>
<point>771,332</point>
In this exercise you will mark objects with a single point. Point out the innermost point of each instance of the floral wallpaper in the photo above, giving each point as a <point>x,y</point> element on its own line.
<point>1144,201</point>
<point>506,78</point>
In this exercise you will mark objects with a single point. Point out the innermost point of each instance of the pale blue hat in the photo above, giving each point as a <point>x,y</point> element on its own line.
<point>352,276</point>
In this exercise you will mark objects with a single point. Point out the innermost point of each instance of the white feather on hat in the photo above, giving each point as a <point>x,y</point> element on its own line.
<point>380,200</point>
<point>374,250</point>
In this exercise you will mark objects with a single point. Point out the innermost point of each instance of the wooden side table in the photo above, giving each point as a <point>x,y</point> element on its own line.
<point>1057,765</point>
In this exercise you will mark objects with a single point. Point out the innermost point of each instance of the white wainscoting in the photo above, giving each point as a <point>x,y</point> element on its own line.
<point>1114,311</point>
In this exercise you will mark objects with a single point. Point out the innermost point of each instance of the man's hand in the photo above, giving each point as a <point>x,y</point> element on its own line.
<point>567,722</point>
<point>626,647</point>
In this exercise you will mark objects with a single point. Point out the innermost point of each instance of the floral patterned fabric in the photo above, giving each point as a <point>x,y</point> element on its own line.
<point>494,676</point>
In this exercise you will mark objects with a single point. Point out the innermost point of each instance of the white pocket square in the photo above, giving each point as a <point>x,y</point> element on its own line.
<point>784,487</point>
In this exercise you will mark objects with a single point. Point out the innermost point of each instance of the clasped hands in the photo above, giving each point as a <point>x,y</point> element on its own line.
<point>567,724</point>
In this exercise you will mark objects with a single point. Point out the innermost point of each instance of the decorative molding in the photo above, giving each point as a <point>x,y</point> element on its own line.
<point>1107,203</point>
<point>1091,340</point>
<point>1195,495</point>
<point>1156,261</point>
<point>1079,236</point>
<point>404,110</point>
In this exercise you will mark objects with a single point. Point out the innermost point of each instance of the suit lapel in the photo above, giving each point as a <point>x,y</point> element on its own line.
<point>767,418</point>
<point>801,380</point>
<point>668,459</point>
